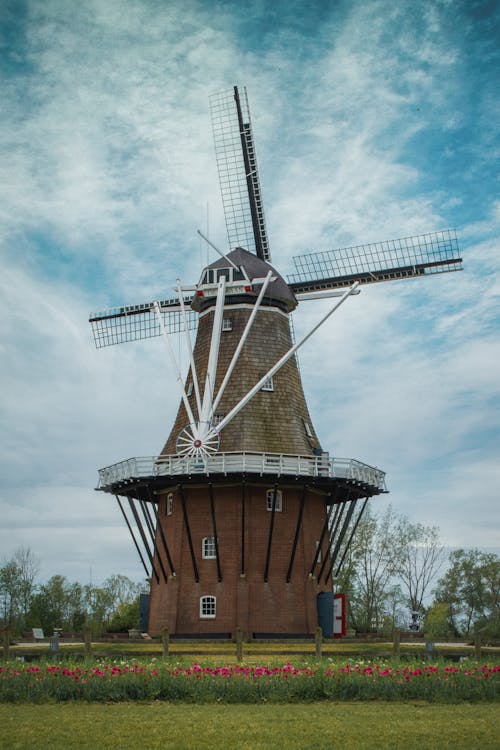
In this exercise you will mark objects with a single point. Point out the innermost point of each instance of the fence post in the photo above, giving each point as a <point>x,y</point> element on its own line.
<point>6,644</point>
<point>429,650</point>
<point>396,643</point>
<point>477,645</point>
<point>318,641</point>
<point>165,640</point>
<point>239,645</point>
<point>87,642</point>
<point>54,646</point>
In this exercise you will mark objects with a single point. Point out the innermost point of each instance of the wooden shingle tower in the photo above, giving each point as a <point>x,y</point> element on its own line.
<point>243,518</point>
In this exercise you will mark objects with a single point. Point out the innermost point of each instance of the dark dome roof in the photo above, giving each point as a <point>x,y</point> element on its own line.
<point>255,268</point>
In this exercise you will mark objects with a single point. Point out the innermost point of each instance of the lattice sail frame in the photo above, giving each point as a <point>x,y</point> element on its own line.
<point>419,255</point>
<point>238,172</point>
<point>119,325</point>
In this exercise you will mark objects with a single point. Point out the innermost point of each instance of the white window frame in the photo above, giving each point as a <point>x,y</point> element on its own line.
<point>170,503</point>
<point>227,324</point>
<point>307,428</point>
<point>208,548</point>
<point>208,607</point>
<point>214,275</point>
<point>189,388</point>
<point>216,419</point>
<point>268,385</point>
<point>279,500</point>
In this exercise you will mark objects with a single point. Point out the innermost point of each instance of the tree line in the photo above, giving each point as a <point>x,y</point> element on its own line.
<point>394,573</point>
<point>59,603</point>
<point>398,574</point>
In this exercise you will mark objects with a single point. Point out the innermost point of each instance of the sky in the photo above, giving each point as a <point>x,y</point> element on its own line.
<point>372,120</point>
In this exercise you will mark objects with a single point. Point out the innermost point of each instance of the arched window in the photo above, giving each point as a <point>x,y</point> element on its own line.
<point>269,499</point>
<point>207,607</point>
<point>208,551</point>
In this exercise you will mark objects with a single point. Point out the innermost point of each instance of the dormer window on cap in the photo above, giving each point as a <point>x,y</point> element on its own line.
<point>214,275</point>
<point>244,274</point>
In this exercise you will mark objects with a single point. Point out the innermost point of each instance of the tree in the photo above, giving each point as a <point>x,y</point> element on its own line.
<point>125,616</point>
<point>121,589</point>
<point>29,566</point>
<point>113,605</point>
<point>436,624</point>
<point>98,603</point>
<point>421,555</point>
<point>9,586</point>
<point>471,589</point>
<point>391,561</point>
<point>369,567</point>
<point>17,587</point>
<point>58,604</point>
<point>396,612</point>
<point>125,596</point>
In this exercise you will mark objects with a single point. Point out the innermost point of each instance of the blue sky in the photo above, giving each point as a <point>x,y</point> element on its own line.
<point>372,120</point>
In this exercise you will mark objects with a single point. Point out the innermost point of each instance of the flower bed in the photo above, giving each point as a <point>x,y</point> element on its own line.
<point>110,681</point>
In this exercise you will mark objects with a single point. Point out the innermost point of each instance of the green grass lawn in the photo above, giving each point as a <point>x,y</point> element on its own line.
<point>346,726</point>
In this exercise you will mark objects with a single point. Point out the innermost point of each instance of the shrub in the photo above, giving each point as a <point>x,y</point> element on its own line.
<point>436,623</point>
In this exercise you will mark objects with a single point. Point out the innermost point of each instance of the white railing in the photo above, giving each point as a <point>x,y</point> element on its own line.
<point>278,464</point>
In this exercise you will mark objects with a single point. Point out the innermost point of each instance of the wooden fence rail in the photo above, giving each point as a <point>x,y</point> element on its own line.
<point>313,646</point>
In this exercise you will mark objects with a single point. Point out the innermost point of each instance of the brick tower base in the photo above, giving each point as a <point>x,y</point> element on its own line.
<point>265,571</point>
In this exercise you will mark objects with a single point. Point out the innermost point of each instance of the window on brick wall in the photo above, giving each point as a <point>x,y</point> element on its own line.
<point>307,428</point>
<point>170,503</point>
<point>268,384</point>
<point>189,388</point>
<point>269,500</point>
<point>227,324</point>
<point>208,606</point>
<point>208,551</point>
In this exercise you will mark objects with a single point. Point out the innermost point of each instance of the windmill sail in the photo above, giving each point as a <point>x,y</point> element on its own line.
<point>121,324</point>
<point>238,172</point>
<point>421,255</point>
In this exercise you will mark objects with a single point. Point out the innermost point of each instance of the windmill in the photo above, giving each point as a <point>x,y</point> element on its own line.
<point>243,519</point>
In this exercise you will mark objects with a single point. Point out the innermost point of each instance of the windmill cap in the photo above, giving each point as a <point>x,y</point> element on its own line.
<point>255,268</point>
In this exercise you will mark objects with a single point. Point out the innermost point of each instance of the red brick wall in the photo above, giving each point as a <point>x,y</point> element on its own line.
<point>247,602</point>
